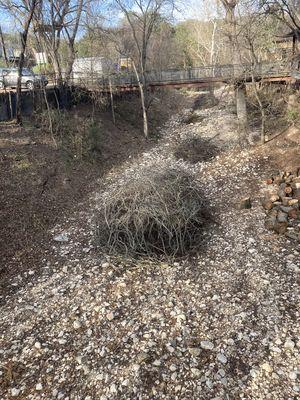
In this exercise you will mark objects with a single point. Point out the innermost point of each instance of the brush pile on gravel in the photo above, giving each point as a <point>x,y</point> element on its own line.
<point>282,204</point>
<point>223,324</point>
<point>158,210</point>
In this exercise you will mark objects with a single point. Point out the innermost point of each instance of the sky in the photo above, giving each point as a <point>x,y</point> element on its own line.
<point>187,9</point>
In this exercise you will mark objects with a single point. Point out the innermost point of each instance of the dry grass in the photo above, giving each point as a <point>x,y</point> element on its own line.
<point>158,212</point>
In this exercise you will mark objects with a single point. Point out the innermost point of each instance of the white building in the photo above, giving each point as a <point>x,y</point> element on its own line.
<point>40,58</point>
<point>91,67</point>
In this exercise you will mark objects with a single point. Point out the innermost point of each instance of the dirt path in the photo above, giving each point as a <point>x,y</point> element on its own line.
<point>222,325</point>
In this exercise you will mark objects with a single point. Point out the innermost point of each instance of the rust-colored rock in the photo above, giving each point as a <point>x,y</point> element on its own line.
<point>288,190</point>
<point>267,204</point>
<point>294,213</point>
<point>280,227</point>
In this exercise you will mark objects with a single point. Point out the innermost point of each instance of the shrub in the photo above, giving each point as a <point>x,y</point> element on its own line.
<point>292,116</point>
<point>158,211</point>
<point>43,69</point>
<point>76,138</point>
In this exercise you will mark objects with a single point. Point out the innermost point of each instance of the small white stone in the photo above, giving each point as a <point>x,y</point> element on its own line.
<point>157,363</point>
<point>293,376</point>
<point>110,316</point>
<point>174,376</point>
<point>170,349</point>
<point>253,373</point>
<point>39,387</point>
<point>113,388</point>
<point>222,358</point>
<point>221,372</point>
<point>267,367</point>
<point>275,349</point>
<point>194,351</point>
<point>209,383</point>
<point>105,265</point>
<point>289,344</point>
<point>207,345</point>
<point>196,371</point>
<point>15,392</point>
<point>77,324</point>
<point>173,367</point>
<point>37,345</point>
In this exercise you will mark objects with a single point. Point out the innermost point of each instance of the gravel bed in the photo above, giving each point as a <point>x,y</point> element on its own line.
<point>223,324</point>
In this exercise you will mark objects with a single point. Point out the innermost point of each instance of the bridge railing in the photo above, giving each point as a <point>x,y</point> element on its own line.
<point>205,73</point>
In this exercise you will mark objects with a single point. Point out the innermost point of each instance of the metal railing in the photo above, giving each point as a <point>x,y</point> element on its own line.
<point>219,73</point>
<point>206,73</point>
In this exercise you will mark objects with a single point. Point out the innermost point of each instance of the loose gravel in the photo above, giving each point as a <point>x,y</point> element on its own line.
<point>222,324</point>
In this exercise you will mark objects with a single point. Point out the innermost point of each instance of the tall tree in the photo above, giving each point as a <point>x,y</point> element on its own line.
<point>23,11</point>
<point>143,16</point>
<point>288,12</point>
<point>240,88</point>
<point>58,21</point>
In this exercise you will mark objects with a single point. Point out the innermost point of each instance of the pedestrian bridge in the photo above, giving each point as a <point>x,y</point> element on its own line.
<point>192,77</point>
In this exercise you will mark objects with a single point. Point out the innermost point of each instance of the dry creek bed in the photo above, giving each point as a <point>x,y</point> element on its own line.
<point>221,325</point>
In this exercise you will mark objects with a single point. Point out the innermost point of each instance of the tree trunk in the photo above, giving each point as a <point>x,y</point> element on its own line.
<point>112,102</point>
<point>7,65</point>
<point>3,47</point>
<point>241,109</point>
<point>240,89</point>
<point>212,56</point>
<point>57,70</point>
<point>19,83</point>
<point>24,36</point>
<point>142,93</point>
<point>70,63</point>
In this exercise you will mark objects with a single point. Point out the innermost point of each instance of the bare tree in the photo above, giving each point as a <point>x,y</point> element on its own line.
<point>288,12</point>
<point>23,11</point>
<point>143,16</point>
<point>240,88</point>
<point>3,47</point>
<point>57,21</point>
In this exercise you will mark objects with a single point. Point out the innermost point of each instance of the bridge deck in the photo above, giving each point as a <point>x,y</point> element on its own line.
<point>191,77</point>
